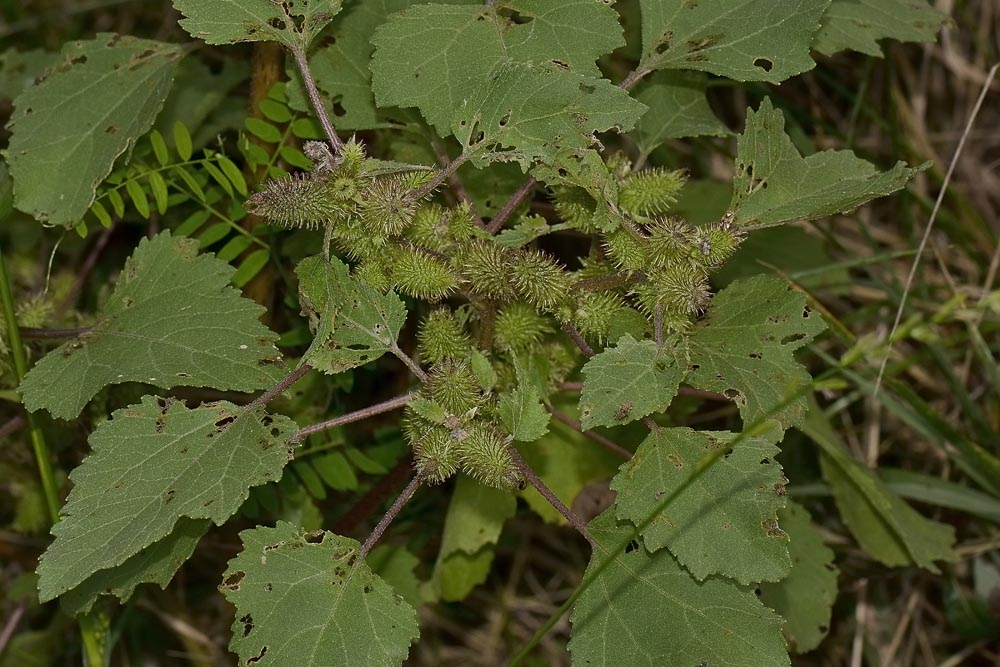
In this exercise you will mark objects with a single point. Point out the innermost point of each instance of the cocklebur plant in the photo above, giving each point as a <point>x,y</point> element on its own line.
<point>506,320</point>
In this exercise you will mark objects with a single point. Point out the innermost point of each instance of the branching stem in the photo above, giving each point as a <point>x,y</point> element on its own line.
<point>443,174</point>
<point>317,102</point>
<point>357,415</point>
<point>536,481</point>
<point>578,339</point>
<point>386,520</point>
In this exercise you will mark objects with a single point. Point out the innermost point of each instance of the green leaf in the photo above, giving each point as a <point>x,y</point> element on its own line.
<point>627,382</point>
<point>885,526</point>
<point>458,575</point>
<point>434,57</point>
<point>353,616</point>
<point>67,131</point>
<point>263,130</point>
<point>476,516</point>
<point>230,21</point>
<point>20,69</point>
<point>233,173</point>
<point>153,464</point>
<point>677,108</point>
<point>529,113</point>
<point>804,598</point>
<point>567,462</point>
<point>645,609</point>
<point>858,25</point>
<point>774,184</point>
<point>172,320</point>
<point>159,147</point>
<point>182,141</point>
<point>744,348</point>
<point>353,323</point>
<point>138,197</point>
<point>155,564</point>
<point>522,413</point>
<point>726,521</point>
<point>251,266</point>
<point>397,566</point>
<point>745,40</point>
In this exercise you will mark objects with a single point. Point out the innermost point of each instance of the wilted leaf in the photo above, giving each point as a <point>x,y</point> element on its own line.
<point>152,465</point>
<point>746,40</point>
<point>353,323</point>
<point>726,521</point>
<point>303,599</point>
<point>744,348</point>
<point>775,185</point>
<point>645,609</point>
<point>805,597</point>
<point>173,320</point>
<point>885,526</point>
<point>68,130</point>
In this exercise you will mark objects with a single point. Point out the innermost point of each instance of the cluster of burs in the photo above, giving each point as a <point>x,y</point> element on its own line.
<point>645,269</point>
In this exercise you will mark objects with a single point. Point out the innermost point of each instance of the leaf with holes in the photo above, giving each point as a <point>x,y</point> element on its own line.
<point>434,57</point>
<point>805,597</point>
<point>620,618</point>
<point>173,320</point>
<point>528,113</point>
<point>858,25</point>
<point>677,108</point>
<point>352,323</point>
<point>725,523</point>
<point>90,108</point>
<point>744,348</point>
<point>153,464</point>
<point>293,23</point>
<point>155,564</point>
<point>775,185</point>
<point>746,40</point>
<point>886,527</point>
<point>627,382</point>
<point>353,616</point>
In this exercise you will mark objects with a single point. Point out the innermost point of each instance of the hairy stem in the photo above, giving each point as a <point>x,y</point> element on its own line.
<point>546,492</point>
<point>633,77</point>
<point>43,458</point>
<point>357,415</point>
<point>410,363</point>
<point>442,175</point>
<point>453,180</point>
<point>317,102</point>
<point>279,388</point>
<point>609,445</point>
<point>578,339</point>
<point>501,217</point>
<point>401,501</point>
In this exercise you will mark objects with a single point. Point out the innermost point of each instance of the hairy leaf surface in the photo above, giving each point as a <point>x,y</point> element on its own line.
<point>805,597</point>
<point>528,113</point>
<point>68,130</point>
<point>646,609</point>
<point>745,40</point>
<point>882,523</point>
<point>173,320</point>
<point>677,109</point>
<point>155,564</point>
<point>293,24</point>
<point>303,599</point>
<point>744,348</point>
<point>522,413</point>
<point>153,464</point>
<point>628,382</point>
<point>725,522</point>
<point>352,323</point>
<point>775,185</point>
<point>434,57</point>
<point>858,25</point>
